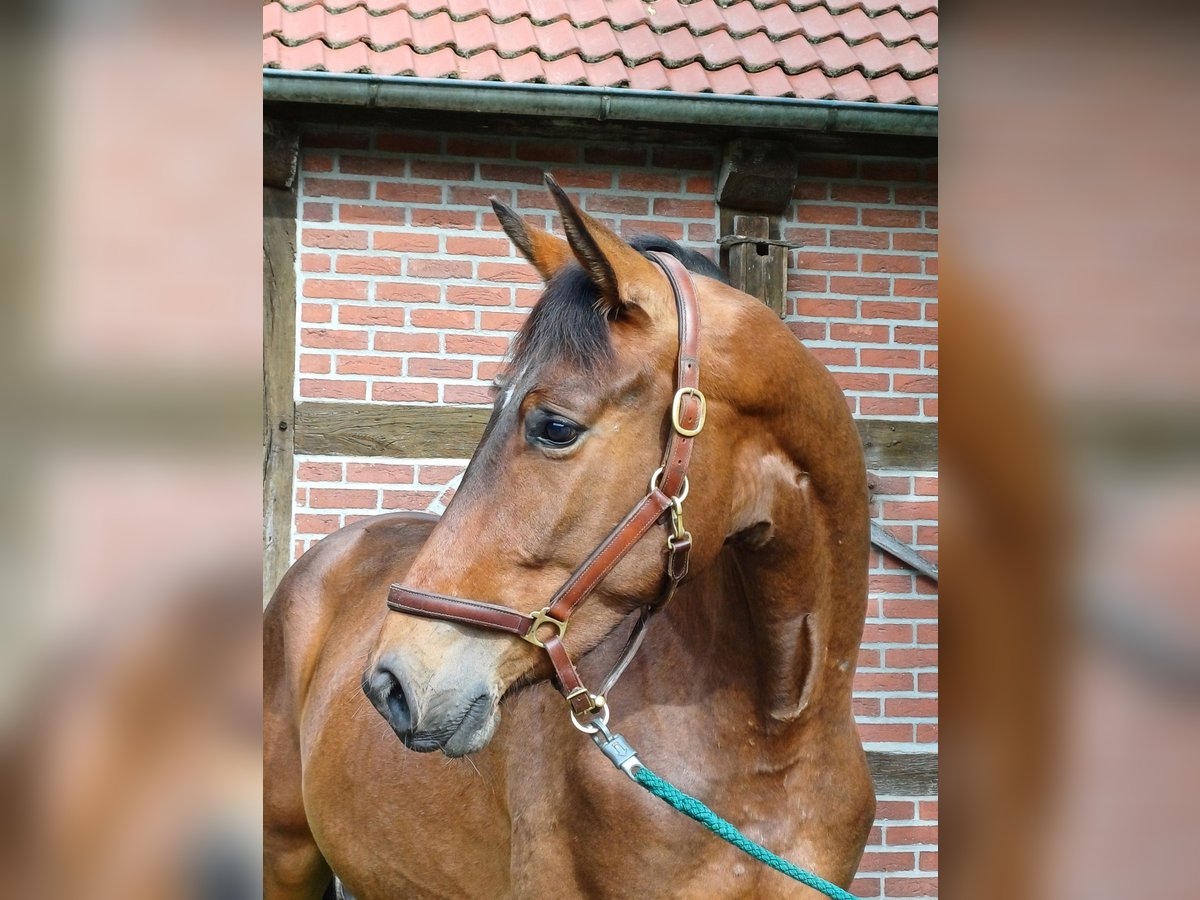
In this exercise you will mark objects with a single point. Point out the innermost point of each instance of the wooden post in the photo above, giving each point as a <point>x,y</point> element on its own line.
<point>759,268</point>
<point>279,362</point>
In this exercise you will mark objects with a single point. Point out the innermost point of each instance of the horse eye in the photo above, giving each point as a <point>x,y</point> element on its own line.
<point>558,432</point>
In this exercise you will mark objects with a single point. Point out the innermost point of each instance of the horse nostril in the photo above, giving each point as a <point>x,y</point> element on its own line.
<point>387,693</point>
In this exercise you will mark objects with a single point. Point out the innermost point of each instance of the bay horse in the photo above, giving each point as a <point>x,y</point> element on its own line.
<point>741,693</point>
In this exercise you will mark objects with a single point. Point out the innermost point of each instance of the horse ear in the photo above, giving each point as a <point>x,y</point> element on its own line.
<point>544,251</point>
<point>614,266</point>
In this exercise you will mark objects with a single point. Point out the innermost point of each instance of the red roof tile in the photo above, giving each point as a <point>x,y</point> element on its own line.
<point>877,50</point>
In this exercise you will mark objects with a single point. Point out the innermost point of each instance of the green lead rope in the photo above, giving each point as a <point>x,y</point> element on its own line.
<point>692,807</point>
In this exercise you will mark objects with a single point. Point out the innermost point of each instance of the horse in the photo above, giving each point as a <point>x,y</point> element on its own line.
<point>741,692</point>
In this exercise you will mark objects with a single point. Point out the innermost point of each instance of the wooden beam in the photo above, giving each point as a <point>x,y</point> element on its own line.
<point>281,155</point>
<point>899,444</point>
<point>279,365</point>
<point>758,267</point>
<point>904,774</point>
<point>757,176</point>
<point>448,432</point>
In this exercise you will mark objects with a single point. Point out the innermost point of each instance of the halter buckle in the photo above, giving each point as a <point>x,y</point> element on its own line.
<point>676,411</point>
<point>540,618</point>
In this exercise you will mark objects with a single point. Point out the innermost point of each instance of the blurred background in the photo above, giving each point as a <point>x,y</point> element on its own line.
<point>132,468</point>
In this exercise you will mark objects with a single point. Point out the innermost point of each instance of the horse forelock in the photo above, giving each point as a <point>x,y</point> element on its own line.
<point>567,323</point>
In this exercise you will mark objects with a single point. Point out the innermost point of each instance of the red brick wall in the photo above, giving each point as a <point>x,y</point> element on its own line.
<point>410,292</point>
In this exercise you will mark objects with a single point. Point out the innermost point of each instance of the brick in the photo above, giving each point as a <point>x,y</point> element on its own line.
<point>823,261</point>
<point>394,342</point>
<point>915,287</point>
<point>536,199</point>
<point>334,390</point>
<point>370,365</point>
<point>807,237</point>
<point>321,288</point>
<point>442,171</point>
<point>901,810</point>
<point>319,471</point>
<point>345,140</point>
<point>811,190</point>
<point>438,474</point>
<point>380,473</point>
<point>821,307</point>
<point>438,268</point>
<point>404,243</point>
<point>887,633</point>
<point>393,392</point>
<point>890,171</point>
<point>864,240</point>
<point>931,312</point>
<point>473,246</point>
<point>931,265</point>
<point>701,232</point>
<point>891,584</point>
<point>403,192</point>
<point>333,240</point>
<point>916,384</point>
<point>615,155</point>
<point>411,500</point>
<point>862,381</point>
<point>315,262</point>
<point>464,195</point>
<point>443,218</point>
<point>890,309</point>
<point>890,358</point>
<point>487,371</point>
<point>700,184</point>
<point>929,812</point>
<point>829,167</point>
<point>371,315</point>
<point>910,509</point>
<point>630,206</point>
<point>341,498</point>
<point>890,263</point>
<point>333,339</point>
<point>808,331</point>
<point>595,179</point>
<point>442,318</point>
<point>311,161</point>
<point>911,657</point>
<point>902,886</point>
<point>683,158</point>
<point>408,143</point>
<point>337,187</point>
<point>654,182</point>
<point>371,215</point>
<point>402,292</point>
<point>501,321</point>
<point>367,265</point>
<point>685,209</point>
<point>808,284</point>
<point>903,835</point>
<point>462,393</point>
<point>316,212</point>
<point>929,407</point>
<point>306,523</point>
<point>517,174</point>
<point>922,243</point>
<point>885,733</point>
<point>316,313</point>
<point>314,363</point>
<point>927,682</point>
<point>866,707</point>
<point>908,334</point>
<point>911,707</point>
<point>830,215</point>
<point>929,859</point>
<point>927,732</point>
<point>893,861</point>
<point>927,633</point>
<point>373,165</point>
<point>475,295</point>
<point>517,273</point>
<point>491,147</point>
<point>917,196</point>
<point>866,887</point>
<point>547,151</point>
<point>867,682</point>
<point>476,345</point>
<point>889,484</point>
<point>868,658</point>
<point>841,284</point>
<point>672,230</point>
<point>860,193</point>
<point>891,218</point>
<point>439,368</point>
<point>859,334</point>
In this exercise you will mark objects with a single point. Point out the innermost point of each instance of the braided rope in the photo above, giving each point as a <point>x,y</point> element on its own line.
<point>693,808</point>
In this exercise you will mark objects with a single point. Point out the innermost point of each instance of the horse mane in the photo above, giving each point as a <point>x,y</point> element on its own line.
<point>567,323</point>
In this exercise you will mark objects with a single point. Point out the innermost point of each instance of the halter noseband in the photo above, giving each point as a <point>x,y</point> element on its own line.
<point>668,488</point>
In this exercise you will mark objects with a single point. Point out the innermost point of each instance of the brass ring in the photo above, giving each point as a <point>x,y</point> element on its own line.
<point>682,493</point>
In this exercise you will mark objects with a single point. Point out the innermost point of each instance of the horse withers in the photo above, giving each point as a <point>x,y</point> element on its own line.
<point>741,693</point>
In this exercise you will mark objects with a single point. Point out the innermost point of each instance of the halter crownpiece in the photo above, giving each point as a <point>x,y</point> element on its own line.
<point>545,627</point>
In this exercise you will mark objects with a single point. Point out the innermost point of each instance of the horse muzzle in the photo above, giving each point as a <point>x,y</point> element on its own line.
<point>439,721</point>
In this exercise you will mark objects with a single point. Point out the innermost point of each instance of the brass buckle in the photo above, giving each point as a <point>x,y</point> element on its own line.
<point>675,411</point>
<point>540,618</point>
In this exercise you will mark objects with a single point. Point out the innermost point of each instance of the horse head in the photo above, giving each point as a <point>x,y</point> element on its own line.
<point>579,422</point>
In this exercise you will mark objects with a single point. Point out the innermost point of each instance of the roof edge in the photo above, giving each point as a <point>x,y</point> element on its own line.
<point>599,103</point>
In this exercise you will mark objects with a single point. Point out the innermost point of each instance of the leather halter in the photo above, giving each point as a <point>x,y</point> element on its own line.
<point>668,488</point>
